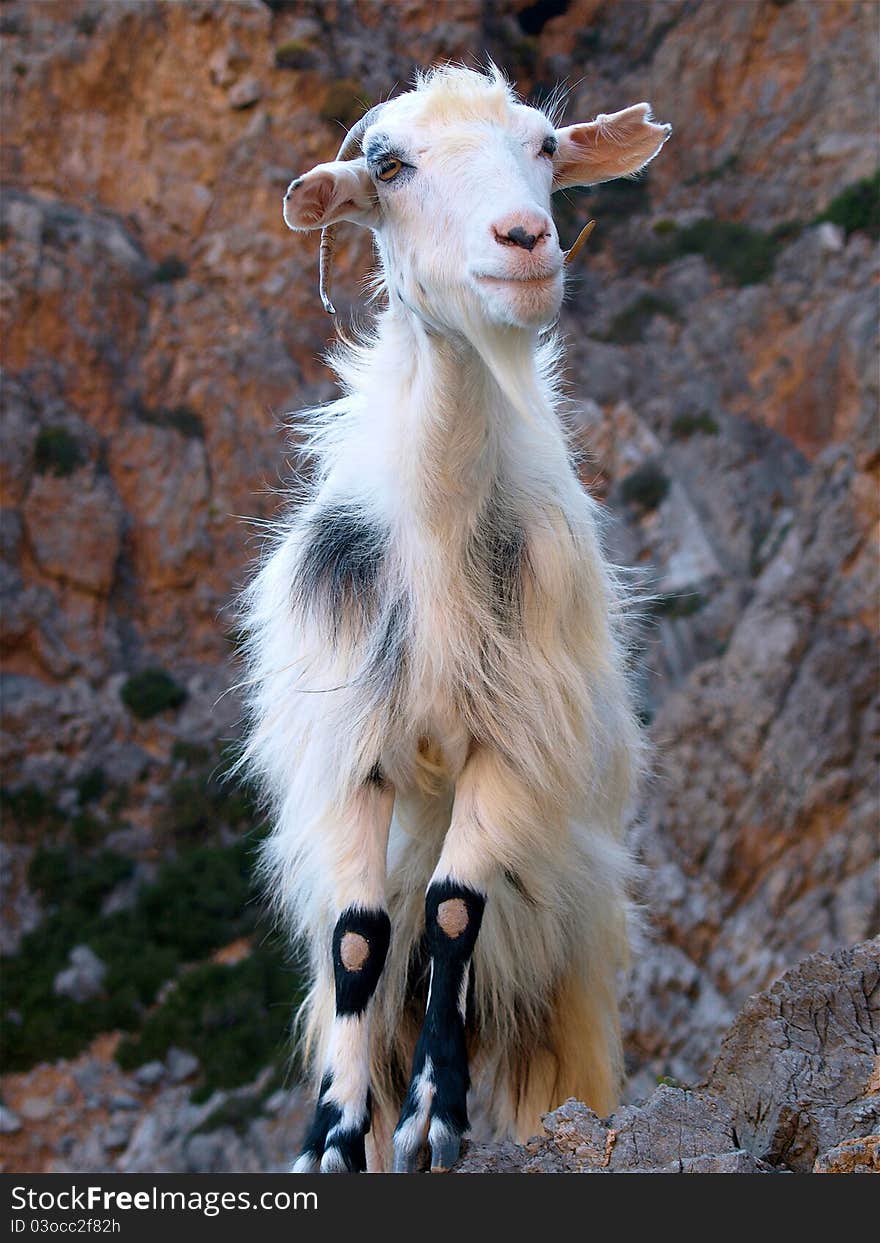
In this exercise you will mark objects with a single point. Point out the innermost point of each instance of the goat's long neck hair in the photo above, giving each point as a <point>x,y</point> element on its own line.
<point>454,405</point>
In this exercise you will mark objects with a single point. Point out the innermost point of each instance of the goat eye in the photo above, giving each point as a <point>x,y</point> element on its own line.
<point>389,169</point>
<point>549,146</point>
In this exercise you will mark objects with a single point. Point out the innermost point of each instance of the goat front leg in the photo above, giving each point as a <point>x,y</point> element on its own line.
<point>335,1143</point>
<point>435,1108</point>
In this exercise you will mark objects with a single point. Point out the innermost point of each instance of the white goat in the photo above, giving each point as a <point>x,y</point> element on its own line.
<point>438,698</point>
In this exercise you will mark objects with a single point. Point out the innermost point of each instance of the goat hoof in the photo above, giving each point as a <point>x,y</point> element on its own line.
<point>330,1147</point>
<point>334,1162</point>
<point>407,1160</point>
<point>445,1148</point>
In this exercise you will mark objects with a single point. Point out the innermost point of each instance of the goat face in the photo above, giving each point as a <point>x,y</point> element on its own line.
<point>455,178</point>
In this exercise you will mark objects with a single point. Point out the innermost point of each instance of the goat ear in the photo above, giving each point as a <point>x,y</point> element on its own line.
<point>611,146</point>
<point>329,193</point>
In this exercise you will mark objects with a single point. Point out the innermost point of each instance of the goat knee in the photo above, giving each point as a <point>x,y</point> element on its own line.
<point>360,946</point>
<point>453,914</point>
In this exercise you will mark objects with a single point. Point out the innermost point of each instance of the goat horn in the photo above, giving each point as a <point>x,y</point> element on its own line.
<point>328,233</point>
<point>585,232</point>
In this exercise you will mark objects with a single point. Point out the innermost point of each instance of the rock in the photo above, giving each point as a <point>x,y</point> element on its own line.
<point>36,1108</point>
<point>853,1156</point>
<point>504,1158</point>
<point>674,1132</point>
<point>797,1074</point>
<point>117,1134</point>
<point>89,1075</point>
<point>180,1065</point>
<point>800,1063</point>
<point>276,1102</point>
<point>245,94</point>
<point>150,1073</point>
<point>736,1162</point>
<point>124,1102</point>
<point>210,1154</point>
<point>831,237</point>
<point>761,837</point>
<point>83,979</point>
<point>9,1121</point>
<point>75,528</point>
<point>226,63</point>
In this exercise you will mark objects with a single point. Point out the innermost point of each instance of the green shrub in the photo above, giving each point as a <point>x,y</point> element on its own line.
<point>185,420</point>
<point>57,452</point>
<point>61,876</point>
<point>343,102</point>
<point>203,798</point>
<point>676,604</point>
<point>182,419</point>
<point>294,54</point>
<point>190,752</point>
<point>91,785</point>
<point>238,1112</point>
<point>624,197</point>
<point>645,488</point>
<point>628,327</point>
<point>150,692</point>
<point>738,253</point>
<point>233,1018</point>
<point>787,231</point>
<point>198,903</point>
<point>86,23</point>
<point>202,900</point>
<point>30,807</point>
<point>857,208</point>
<point>169,269</point>
<point>35,1025</point>
<point>684,426</point>
<point>715,173</point>
<point>49,873</point>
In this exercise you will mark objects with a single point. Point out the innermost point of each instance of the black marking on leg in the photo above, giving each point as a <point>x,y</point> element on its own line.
<point>357,974</point>
<point>325,1134</point>
<point>340,565</point>
<point>351,1147</point>
<point>453,914</point>
<point>326,1116</point>
<point>459,947</point>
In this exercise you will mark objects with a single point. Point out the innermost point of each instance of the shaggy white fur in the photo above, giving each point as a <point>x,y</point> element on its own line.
<point>436,675</point>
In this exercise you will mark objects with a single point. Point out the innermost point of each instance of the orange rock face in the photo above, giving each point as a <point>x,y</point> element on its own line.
<point>159,321</point>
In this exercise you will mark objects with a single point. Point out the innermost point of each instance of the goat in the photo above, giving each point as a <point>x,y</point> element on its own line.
<point>438,700</point>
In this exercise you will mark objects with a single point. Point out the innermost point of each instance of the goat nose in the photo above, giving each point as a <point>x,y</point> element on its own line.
<point>519,237</point>
<point>523,231</point>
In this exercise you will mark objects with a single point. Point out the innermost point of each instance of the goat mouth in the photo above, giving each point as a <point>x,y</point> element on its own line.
<point>545,278</point>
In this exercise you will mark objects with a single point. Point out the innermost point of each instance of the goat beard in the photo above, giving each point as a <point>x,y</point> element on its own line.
<point>520,360</point>
<point>523,361</point>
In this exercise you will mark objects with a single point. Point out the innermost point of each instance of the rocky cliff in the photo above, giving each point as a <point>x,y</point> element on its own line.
<point>159,320</point>
<point>795,1088</point>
